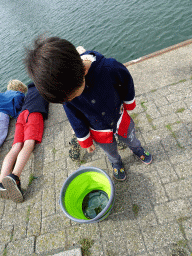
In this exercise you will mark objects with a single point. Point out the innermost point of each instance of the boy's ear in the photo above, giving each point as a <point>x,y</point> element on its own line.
<point>87,65</point>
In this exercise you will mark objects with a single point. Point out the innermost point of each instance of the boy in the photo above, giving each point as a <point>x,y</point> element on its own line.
<point>28,132</point>
<point>10,104</point>
<point>96,93</point>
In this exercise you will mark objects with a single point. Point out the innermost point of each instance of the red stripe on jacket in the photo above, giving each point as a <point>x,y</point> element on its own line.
<point>85,142</point>
<point>129,105</point>
<point>106,136</point>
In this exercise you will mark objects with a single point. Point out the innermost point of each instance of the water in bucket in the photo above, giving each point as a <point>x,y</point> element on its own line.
<point>94,202</point>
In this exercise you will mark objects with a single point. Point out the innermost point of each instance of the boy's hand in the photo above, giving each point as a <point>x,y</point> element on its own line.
<point>91,149</point>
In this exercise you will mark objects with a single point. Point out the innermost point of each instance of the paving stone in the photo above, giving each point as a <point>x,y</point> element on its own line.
<point>155,136</point>
<point>180,189</point>
<point>139,108</point>
<point>178,155</point>
<point>86,233</point>
<point>166,171</point>
<point>166,109</point>
<point>157,253</point>
<point>188,102</point>
<point>6,234</point>
<point>11,130</point>
<point>56,115</point>
<point>141,193</point>
<point>144,123</point>
<point>170,145</point>
<point>177,96</point>
<point>173,210</point>
<point>162,91</point>
<point>48,197</point>
<point>187,224</point>
<point>101,163</point>
<point>151,109</point>
<point>48,135</point>
<point>178,87</point>
<point>156,191</point>
<point>161,122</point>
<point>9,213</point>
<point>97,154</point>
<point>123,201</point>
<point>156,237</point>
<point>50,241</point>
<point>148,219</point>
<point>55,167</point>
<point>185,116</point>
<point>27,172</point>
<point>158,152</point>
<point>179,248</point>
<point>21,247</point>
<point>54,223</point>
<point>131,233</point>
<point>183,169</point>
<point>113,233</point>
<point>62,154</point>
<point>179,107</point>
<point>2,206</point>
<point>49,150</point>
<point>59,140</point>
<point>73,252</point>
<point>2,248</point>
<point>159,100</point>
<point>20,227</point>
<point>34,219</point>
<point>68,133</point>
<point>3,153</point>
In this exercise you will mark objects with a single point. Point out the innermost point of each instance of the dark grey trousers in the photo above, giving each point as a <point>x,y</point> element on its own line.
<point>111,148</point>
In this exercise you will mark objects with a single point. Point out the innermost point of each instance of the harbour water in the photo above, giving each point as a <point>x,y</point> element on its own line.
<point>122,29</point>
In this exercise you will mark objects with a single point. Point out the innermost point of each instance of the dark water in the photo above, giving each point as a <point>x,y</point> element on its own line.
<point>125,30</point>
<point>94,202</point>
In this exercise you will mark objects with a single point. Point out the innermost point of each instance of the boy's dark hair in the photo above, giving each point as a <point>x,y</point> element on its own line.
<point>55,67</point>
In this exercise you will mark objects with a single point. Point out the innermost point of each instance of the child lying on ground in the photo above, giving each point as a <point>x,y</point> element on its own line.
<point>28,132</point>
<point>10,105</point>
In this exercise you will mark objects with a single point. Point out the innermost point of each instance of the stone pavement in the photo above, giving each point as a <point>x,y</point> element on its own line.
<point>152,215</point>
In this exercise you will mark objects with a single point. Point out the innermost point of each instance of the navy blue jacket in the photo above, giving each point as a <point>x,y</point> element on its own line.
<point>34,102</point>
<point>95,114</point>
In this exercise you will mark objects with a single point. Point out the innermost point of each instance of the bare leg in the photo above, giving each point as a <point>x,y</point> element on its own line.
<point>23,157</point>
<point>10,159</point>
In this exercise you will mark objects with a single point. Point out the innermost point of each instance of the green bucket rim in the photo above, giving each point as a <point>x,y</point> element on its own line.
<point>107,208</point>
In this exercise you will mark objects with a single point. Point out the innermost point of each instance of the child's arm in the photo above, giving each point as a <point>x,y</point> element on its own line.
<point>17,103</point>
<point>80,126</point>
<point>126,85</point>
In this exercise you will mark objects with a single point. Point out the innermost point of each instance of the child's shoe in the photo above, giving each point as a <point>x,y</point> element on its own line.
<point>119,174</point>
<point>13,187</point>
<point>144,156</point>
<point>3,192</point>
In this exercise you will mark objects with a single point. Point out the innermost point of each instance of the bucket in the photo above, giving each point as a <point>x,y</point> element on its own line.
<point>86,187</point>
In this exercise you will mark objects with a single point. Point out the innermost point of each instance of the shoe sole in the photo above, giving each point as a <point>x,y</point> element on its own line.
<point>142,161</point>
<point>4,194</point>
<point>119,179</point>
<point>13,191</point>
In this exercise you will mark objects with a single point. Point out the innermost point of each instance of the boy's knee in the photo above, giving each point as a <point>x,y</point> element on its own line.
<point>17,146</point>
<point>29,144</point>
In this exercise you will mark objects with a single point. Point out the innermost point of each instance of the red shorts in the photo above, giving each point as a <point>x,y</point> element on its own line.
<point>29,126</point>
